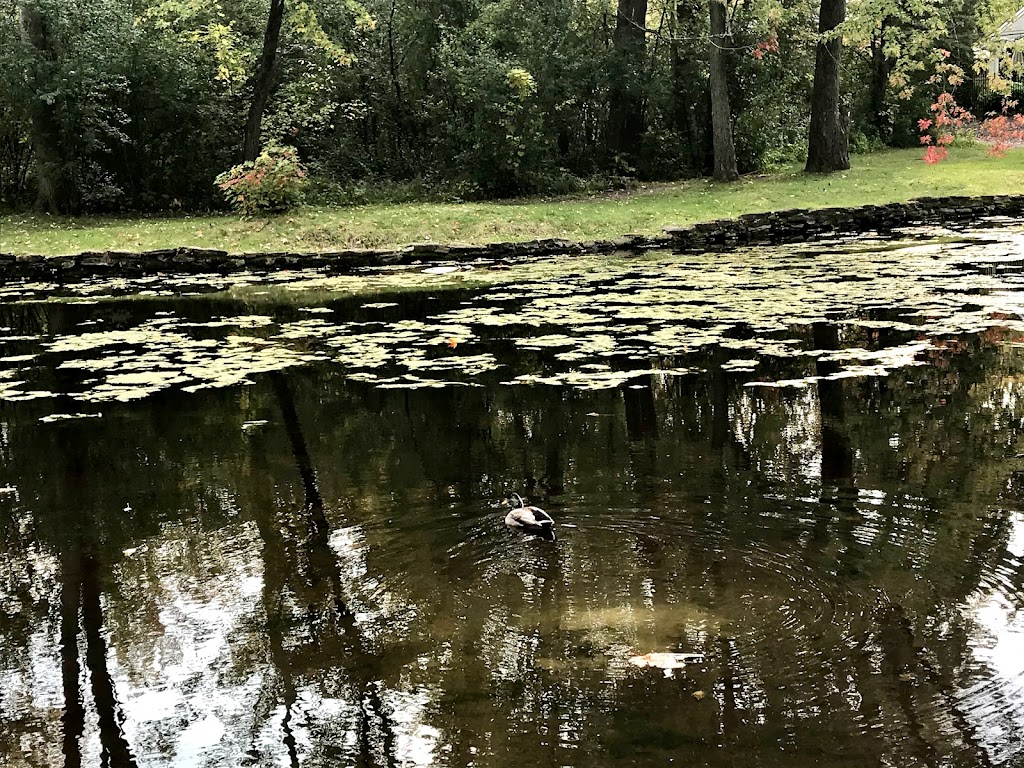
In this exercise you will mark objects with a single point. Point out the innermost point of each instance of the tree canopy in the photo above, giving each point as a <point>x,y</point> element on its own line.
<point>141,105</point>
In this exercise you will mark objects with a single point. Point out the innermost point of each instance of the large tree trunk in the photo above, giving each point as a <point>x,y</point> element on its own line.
<point>828,143</point>
<point>56,190</point>
<point>263,81</point>
<point>626,114</point>
<point>721,114</point>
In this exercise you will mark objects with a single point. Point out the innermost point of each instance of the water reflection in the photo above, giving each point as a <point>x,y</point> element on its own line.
<point>312,569</point>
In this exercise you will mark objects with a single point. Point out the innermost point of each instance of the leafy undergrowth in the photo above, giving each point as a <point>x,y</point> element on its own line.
<point>879,178</point>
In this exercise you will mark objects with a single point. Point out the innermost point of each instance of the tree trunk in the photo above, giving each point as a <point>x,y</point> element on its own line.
<point>721,114</point>
<point>689,86</point>
<point>115,750</point>
<point>828,143</point>
<point>879,84</point>
<point>71,669</point>
<point>322,564</point>
<point>836,446</point>
<point>56,191</point>
<point>401,135</point>
<point>626,113</point>
<point>263,81</point>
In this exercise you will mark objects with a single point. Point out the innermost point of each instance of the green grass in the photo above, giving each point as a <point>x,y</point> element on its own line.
<point>878,178</point>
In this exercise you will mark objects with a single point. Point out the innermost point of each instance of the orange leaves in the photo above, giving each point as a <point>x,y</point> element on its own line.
<point>934,155</point>
<point>1003,130</point>
<point>768,45</point>
<point>939,133</point>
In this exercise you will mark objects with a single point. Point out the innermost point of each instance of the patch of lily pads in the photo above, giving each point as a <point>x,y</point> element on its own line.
<point>582,322</point>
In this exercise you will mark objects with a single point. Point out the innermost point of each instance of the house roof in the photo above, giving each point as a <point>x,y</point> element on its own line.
<point>1012,30</point>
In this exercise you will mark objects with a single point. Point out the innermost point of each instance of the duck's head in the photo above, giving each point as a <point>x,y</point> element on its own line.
<point>515,501</point>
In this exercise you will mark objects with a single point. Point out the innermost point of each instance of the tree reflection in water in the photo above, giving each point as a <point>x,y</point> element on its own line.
<point>183,584</point>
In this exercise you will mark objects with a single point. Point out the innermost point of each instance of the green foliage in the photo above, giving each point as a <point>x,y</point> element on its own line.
<point>903,53</point>
<point>15,141</point>
<point>201,29</point>
<point>876,178</point>
<point>462,99</point>
<point>72,62</point>
<point>522,82</point>
<point>863,143</point>
<point>273,183</point>
<point>771,130</point>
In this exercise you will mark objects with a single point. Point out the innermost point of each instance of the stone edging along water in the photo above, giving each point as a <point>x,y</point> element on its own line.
<point>797,225</point>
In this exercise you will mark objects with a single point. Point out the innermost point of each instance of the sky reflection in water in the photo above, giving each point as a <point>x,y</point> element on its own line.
<point>276,540</point>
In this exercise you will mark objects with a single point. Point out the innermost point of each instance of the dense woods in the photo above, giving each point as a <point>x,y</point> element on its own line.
<point>140,104</point>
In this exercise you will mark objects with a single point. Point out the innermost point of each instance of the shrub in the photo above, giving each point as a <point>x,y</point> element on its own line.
<point>273,183</point>
<point>864,143</point>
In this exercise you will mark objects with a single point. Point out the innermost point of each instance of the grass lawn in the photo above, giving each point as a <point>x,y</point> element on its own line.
<point>879,178</point>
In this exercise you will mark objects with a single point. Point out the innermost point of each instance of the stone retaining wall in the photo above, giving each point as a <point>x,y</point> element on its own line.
<point>799,225</point>
<point>91,264</point>
<point>754,228</point>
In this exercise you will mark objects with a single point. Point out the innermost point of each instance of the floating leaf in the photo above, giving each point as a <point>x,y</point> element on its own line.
<point>667,660</point>
<point>54,417</point>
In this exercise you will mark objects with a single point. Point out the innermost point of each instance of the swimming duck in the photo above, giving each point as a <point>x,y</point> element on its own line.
<point>529,519</point>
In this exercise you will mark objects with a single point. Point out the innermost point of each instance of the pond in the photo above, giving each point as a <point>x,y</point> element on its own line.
<point>258,522</point>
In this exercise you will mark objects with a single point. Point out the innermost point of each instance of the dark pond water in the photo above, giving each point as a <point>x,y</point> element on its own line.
<point>258,523</point>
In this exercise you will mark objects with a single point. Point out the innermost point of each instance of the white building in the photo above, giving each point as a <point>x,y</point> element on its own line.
<point>1011,32</point>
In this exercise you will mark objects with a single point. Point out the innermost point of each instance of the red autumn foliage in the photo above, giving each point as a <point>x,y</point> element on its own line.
<point>1001,130</point>
<point>934,155</point>
<point>768,45</point>
<point>938,133</point>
